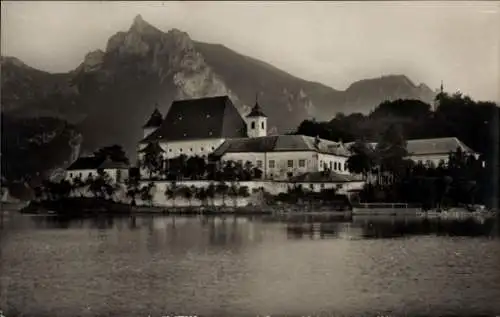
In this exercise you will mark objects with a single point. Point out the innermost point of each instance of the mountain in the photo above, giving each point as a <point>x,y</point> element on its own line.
<point>112,92</point>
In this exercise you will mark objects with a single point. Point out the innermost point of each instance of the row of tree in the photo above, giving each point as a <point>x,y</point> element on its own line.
<point>195,167</point>
<point>475,123</point>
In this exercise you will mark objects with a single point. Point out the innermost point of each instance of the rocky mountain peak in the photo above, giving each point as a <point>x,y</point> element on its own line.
<point>139,25</point>
<point>93,60</point>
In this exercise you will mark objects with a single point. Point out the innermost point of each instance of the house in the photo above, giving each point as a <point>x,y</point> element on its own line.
<point>213,126</point>
<point>432,151</point>
<point>284,156</point>
<point>85,167</point>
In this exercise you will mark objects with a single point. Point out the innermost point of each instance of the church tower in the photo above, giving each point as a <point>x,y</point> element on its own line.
<point>256,122</point>
<point>153,123</point>
<point>437,99</point>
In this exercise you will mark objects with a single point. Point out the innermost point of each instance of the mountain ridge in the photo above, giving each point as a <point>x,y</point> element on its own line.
<point>145,67</point>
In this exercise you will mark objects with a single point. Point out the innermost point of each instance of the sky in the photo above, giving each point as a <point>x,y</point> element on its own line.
<point>335,43</point>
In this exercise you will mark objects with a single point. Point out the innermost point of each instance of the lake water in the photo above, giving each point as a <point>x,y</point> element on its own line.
<point>227,266</point>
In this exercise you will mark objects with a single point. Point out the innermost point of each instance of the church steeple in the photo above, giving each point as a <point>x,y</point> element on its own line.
<point>437,99</point>
<point>153,123</point>
<point>256,110</point>
<point>256,121</point>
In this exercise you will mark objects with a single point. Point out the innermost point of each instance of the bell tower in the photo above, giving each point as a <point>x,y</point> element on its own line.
<point>437,99</point>
<point>256,122</point>
<point>154,122</point>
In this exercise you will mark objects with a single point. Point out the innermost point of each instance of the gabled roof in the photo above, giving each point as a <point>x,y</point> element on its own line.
<point>204,118</point>
<point>152,147</point>
<point>434,146</point>
<point>280,143</point>
<point>256,111</point>
<point>322,177</point>
<point>93,163</point>
<point>155,120</point>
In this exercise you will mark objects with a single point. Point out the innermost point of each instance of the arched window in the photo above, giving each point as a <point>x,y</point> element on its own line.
<point>253,125</point>
<point>262,125</point>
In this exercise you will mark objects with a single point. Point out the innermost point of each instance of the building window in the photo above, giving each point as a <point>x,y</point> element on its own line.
<point>253,125</point>
<point>90,174</point>
<point>320,164</point>
<point>302,163</point>
<point>262,125</point>
<point>210,133</point>
<point>170,150</point>
<point>271,164</point>
<point>213,148</point>
<point>311,186</point>
<point>335,166</point>
<point>330,165</point>
<point>191,149</point>
<point>201,149</point>
<point>118,176</point>
<point>70,174</point>
<point>290,163</point>
<point>322,186</point>
<point>345,166</point>
<point>259,163</point>
<point>80,175</point>
<point>180,150</point>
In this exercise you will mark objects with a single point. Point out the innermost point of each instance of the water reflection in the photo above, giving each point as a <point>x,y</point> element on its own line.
<point>392,227</point>
<point>233,266</point>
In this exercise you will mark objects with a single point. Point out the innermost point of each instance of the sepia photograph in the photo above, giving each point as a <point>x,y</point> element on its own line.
<point>250,158</point>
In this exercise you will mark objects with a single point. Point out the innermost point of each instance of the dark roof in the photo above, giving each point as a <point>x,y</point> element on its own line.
<point>277,143</point>
<point>152,147</point>
<point>154,120</point>
<point>93,163</point>
<point>256,111</point>
<point>324,177</point>
<point>204,118</point>
<point>434,146</point>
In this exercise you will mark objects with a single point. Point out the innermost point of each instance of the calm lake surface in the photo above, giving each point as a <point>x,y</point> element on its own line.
<point>232,266</point>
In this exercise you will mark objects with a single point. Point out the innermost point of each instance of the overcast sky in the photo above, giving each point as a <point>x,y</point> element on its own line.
<point>335,43</point>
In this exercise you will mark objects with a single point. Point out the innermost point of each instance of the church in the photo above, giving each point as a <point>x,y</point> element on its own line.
<point>213,126</point>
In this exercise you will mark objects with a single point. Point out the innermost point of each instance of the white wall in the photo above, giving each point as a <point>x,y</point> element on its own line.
<point>435,159</point>
<point>335,163</point>
<point>272,187</point>
<point>259,127</point>
<point>84,174</point>
<point>198,147</point>
<point>280,159</point>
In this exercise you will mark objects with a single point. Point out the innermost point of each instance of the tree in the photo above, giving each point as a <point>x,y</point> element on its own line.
<point>222,190</point>
<point>233,193</point>
<point>201,195</point>
<point>171,191</point>
<point>362,159</point>
<point>391,151</point>
<point>114,152</point>
<point>133,189</point>
<point>152,160</point>
<point>146,192</point>
<point>211,190</point>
